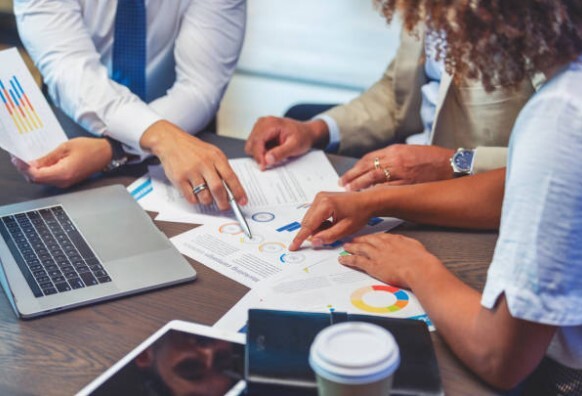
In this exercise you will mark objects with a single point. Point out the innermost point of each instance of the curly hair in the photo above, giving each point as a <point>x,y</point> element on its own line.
<point>500,42</point>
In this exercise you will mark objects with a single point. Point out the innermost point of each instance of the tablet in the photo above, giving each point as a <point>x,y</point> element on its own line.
<point>181,358</point>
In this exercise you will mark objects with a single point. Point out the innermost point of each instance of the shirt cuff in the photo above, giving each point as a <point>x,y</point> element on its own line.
<point>489,158</point>
<point>128,124</point>
<point>334,134</point>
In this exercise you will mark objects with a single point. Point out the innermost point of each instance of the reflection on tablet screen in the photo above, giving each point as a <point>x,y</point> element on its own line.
<point>179,363</point>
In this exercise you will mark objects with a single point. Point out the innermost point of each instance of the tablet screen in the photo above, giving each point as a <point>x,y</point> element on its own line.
<point>179,363</point>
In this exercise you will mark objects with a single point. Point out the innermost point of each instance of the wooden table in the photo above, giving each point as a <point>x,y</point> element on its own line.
<point>59,354</point>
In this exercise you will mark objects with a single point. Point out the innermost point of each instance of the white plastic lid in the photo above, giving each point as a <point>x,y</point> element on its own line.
<point>354,353</point>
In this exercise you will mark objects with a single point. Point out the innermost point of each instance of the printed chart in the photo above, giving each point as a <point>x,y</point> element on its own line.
<point>18,106</point>
<point>28,129</point>
<point>326,287</point>
<point>379,299</point>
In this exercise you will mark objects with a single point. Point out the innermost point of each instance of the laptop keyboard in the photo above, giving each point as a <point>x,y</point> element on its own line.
<point>52,255</point>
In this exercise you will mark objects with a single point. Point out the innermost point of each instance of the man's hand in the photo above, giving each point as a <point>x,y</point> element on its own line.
<point>189,162</point>
<point>333,216</point>
<point>275,139</point>
<point>406,164</point>
<point>70,163</point>
<point>393,259</point>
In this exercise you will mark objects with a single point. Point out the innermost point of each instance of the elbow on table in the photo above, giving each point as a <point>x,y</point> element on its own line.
<point>502,372</point>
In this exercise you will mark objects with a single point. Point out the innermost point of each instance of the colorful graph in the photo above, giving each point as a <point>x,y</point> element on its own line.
<point>357,299</point>
<point>290,227</point>
<point>292,258</point>
<point>263,217</point>
<point>272,247</point>
<point>19,108</point>
<point>230,229</point>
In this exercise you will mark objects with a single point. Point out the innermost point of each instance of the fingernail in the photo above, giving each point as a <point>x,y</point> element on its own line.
<point>270,159</point>
<point>340,182</point>
<point>243,201</point>
<point>348,187</point>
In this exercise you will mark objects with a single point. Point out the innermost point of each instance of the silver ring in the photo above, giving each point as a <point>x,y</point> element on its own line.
<point>386,174</point>
<point>199,188</point>
<point>376,163</point>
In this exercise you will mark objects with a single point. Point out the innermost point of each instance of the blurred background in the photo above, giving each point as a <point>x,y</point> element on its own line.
<point>316,51</point>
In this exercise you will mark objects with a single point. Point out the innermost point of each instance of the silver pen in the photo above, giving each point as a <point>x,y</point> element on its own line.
<point>236,209</point>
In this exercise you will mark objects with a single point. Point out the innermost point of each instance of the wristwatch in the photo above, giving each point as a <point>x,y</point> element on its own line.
<point>462,162</point>
<point>118,158</point>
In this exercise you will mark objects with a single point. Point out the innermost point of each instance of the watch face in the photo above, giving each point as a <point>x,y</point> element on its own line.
<point>463,160</point>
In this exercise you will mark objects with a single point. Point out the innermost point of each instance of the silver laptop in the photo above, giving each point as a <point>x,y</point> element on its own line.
<point>74,249</point>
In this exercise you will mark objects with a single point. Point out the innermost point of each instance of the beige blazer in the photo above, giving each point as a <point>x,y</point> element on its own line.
<point>467,116</point>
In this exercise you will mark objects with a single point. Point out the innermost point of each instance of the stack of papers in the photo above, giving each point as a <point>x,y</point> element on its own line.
<point>310,279</point>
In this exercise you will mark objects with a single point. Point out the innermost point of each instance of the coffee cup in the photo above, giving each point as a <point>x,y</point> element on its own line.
<point>354,359</point>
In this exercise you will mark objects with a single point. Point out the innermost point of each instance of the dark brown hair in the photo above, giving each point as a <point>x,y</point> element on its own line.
<point>500,42</point>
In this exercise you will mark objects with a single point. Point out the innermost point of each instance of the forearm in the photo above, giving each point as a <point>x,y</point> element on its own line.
<point>206,57</point>
<point>469,202</point>
<point>500,349</point>
<point>56,37</point>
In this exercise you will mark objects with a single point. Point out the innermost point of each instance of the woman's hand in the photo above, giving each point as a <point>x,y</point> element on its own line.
<point>333,216</point>
<point>391,258</point>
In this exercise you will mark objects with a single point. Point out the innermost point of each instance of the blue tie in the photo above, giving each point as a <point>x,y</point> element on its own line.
<point>129,46</point>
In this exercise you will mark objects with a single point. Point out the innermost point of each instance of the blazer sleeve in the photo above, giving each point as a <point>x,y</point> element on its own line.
<point>389,110</point>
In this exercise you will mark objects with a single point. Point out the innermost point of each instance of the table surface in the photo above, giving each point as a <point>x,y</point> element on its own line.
<point>59,354</point>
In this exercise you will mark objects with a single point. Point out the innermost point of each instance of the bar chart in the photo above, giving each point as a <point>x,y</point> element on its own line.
<point>19,106</point>
<point>29,128</point>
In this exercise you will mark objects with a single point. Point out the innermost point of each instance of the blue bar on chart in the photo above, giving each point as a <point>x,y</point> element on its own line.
<point>375,221</point>
<point>290,227</point>
<point>143,189</point>
<point>335,244</point>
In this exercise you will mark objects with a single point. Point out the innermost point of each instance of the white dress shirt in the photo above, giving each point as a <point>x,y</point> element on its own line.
<point>192,49</point>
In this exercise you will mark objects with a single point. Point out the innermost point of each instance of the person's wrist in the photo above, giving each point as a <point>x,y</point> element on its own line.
<point>368,202</point>
<point>158,137</point>
<point>422,271</point>
<point>105,149</point>
<point>319,133</point>
<point>445,165</point>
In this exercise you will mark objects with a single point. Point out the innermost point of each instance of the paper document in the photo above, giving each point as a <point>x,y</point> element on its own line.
<point>295,182</point>
<point>221,245</point>
<point>326,287</point>
<point>28,127</point>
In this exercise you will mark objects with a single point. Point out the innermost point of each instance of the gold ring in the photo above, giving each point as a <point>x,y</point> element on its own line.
<point>199,188</point>
<point>376,163</point>
<point>387,174</point>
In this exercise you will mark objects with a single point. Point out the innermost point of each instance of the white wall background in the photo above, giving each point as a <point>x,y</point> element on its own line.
<point>316,51</point>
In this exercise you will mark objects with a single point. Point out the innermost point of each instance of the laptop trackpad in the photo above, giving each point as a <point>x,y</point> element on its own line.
<point>114,235</point>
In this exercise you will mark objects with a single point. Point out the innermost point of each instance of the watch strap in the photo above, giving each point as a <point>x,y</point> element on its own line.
<point>118,155</point>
